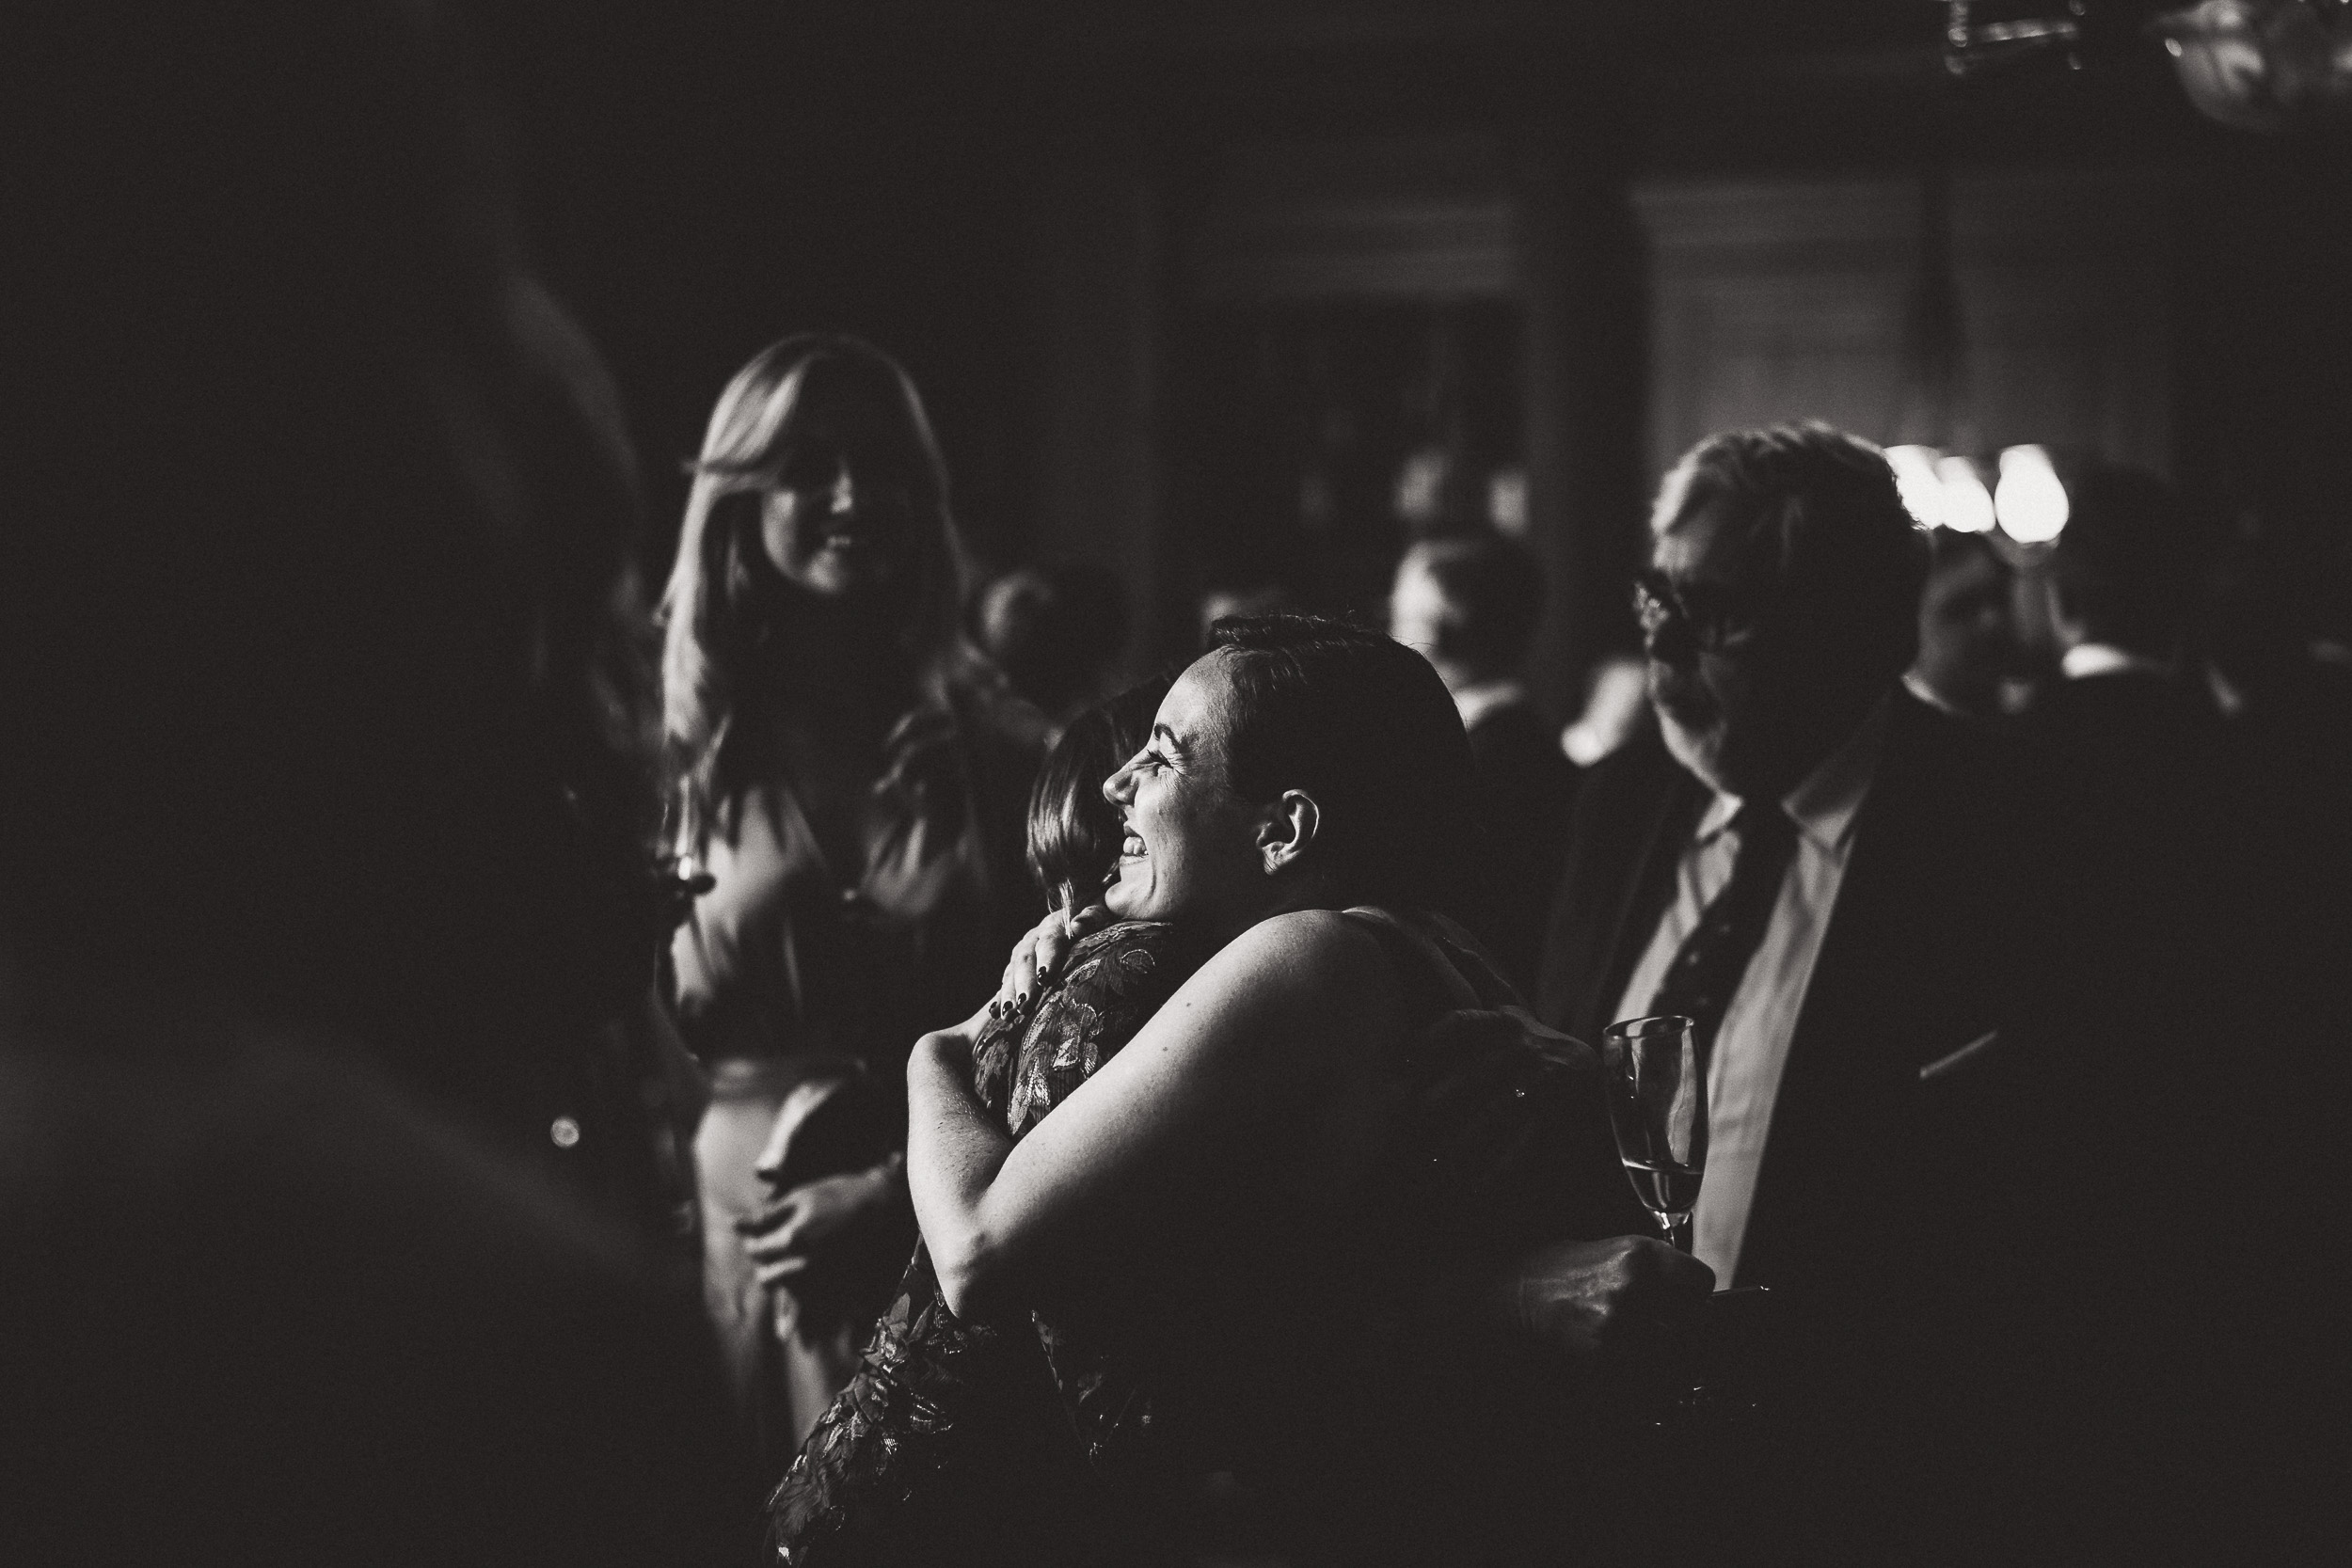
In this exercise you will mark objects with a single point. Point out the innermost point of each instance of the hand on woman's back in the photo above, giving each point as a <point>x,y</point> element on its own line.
<point>1039,956</point>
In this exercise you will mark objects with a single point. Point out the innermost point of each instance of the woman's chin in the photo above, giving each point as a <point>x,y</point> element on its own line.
<point>1124,896</point>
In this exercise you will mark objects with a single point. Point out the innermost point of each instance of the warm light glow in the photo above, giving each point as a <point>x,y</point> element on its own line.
<point>1915,481</point>
<point>2030,502</point>
<point>1967,506</point>
<point>1506,501</point>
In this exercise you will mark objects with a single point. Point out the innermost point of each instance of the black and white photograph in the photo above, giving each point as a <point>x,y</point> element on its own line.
<point>1251,784</point>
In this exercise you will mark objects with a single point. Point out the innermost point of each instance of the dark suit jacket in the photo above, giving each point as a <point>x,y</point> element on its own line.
<point>1925,954</point>
<point>2002,1273</point>
<point>1881,1198</point>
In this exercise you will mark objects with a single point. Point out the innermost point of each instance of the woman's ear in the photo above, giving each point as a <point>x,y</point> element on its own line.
<point>1289,827</point>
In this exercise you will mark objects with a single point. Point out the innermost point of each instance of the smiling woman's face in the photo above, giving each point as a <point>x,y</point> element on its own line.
<point>1190,853</point>
<point>838,519</point>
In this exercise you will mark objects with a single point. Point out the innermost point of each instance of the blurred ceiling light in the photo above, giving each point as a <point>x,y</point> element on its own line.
<point>1972,46</point>
<point>1915,481</point>
<point>2261,65</point>
<point>1506,501</point>
<point>1967,505</point>
<point>2030,502</point>
<point>2258,65</point>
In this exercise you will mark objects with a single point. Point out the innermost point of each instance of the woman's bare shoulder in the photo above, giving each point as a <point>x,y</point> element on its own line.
<point>1317,959</point>
<point>1324,935</point>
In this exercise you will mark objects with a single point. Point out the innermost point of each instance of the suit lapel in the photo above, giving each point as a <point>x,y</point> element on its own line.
<point>1834,1157</point>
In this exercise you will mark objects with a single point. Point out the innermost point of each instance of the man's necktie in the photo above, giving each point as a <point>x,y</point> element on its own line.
<point>1707,967</point>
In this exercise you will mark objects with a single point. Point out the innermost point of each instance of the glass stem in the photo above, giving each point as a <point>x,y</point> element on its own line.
<point>1678,1229</point>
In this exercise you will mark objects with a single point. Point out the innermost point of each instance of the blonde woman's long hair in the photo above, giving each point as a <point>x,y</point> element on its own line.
<point>724,596</point>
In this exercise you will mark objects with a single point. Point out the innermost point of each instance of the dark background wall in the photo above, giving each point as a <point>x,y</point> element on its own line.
<point>1097,234</point>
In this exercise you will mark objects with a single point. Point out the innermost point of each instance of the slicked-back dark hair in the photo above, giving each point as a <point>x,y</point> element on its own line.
<point>1073,831</point>
<point>1363,726</point>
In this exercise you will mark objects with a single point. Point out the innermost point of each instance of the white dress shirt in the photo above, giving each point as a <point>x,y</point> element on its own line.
<point>1759,1023</point>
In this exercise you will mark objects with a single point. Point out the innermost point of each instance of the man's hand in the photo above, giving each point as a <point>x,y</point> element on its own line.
<point>1622,1300</point>
<point>1039,957</point>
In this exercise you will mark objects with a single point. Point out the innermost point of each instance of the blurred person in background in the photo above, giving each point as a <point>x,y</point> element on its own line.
<point>2122,582</point>
<point>1969,650</point>
<point>2127,744</point>
<point>1256,597</point>
<point>1055,629</point>
<point>853,777</point>
<point>1469,604</point>
<point>2281,1019</point>
<point>1617,709</point>
<point>2189,879</point>
<point>327,1182</point>
<point>2270,629</point>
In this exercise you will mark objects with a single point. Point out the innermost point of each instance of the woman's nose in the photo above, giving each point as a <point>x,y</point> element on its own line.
<point>1119,787</point>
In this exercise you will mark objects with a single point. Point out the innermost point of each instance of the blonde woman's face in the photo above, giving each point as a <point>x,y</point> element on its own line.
<point>837,520</point>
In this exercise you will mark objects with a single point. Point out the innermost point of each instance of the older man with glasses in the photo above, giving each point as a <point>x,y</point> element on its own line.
<point>1819,870</point>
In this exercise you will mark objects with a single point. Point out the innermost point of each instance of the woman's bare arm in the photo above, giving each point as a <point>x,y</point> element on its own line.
<point>1290,1015</point>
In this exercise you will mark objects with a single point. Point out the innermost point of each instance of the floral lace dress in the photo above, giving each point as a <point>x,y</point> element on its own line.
<point>1065,1439</point>
<point>955,1435</point>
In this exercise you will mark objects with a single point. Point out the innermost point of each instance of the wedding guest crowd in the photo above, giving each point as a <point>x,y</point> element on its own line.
<point>466,1096</point>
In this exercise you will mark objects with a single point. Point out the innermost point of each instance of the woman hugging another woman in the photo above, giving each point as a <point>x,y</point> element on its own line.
<point>1285,1099</point>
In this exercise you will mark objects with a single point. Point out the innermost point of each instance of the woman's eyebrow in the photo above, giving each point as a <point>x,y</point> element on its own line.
<point>1164,739</point>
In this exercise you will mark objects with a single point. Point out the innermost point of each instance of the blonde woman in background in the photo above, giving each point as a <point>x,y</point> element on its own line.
<point>851,778</point>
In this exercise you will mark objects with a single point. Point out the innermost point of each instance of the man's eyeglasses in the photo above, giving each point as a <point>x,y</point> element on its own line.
<point>1712,624</point>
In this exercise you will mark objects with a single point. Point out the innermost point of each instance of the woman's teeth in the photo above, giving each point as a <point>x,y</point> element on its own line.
<point>1131,844</point>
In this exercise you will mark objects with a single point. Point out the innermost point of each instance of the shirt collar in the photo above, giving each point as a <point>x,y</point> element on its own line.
<point>1476,701</point>
<point>1827,801</point>
<point>2086,659</point>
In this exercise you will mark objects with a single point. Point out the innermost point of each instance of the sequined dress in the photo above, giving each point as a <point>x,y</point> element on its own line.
<point>950,1426</point>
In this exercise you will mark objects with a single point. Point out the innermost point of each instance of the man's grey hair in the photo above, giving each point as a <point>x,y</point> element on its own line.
<point>1818,509</point>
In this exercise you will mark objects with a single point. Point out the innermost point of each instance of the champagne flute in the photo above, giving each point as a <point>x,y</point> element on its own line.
<point>1656,1088</point>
